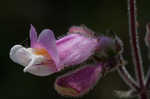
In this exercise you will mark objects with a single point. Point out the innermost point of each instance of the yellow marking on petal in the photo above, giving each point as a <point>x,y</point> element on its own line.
<point>66,91</point>
<point>43,52</point>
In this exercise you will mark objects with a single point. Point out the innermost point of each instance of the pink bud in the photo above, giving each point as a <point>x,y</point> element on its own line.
<point>78,82</point>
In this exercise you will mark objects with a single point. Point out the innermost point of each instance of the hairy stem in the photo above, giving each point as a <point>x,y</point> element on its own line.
<point>147,41</point>
<point>135,46</point>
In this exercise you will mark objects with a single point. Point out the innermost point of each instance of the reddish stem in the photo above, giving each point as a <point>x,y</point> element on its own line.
<point>143,95</point>
<point>147,41</point>
<point>135,47</point>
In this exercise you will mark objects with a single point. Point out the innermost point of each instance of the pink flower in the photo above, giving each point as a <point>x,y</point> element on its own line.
<point>48,55</point>
<point>78,82</point>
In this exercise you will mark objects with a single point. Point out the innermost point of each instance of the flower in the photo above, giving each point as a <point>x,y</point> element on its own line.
<point>107,57</point>
<point>48,55</point>
<point>78,82</point>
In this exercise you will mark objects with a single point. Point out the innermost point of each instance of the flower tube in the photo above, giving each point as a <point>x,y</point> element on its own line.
<point>46,55</point>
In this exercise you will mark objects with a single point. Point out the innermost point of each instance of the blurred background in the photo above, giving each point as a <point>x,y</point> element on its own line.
<point>58,15</point>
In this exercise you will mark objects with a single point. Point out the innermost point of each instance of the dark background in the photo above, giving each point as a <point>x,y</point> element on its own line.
<point>58,15</point>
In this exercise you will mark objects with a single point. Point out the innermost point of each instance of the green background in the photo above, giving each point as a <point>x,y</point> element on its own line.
<point>58,15</point>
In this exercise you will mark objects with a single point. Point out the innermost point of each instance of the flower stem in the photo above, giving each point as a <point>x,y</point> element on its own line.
<point>147,41</point>
<point>147,80</point>
<point>128,78</point>
<point>135,46</point>
<point>143,96</point>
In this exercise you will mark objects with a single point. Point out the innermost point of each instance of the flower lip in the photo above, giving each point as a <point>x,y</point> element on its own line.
<point>36,64</point>
<point>34,60</point>
<point>20,55</point>
<point>14,49</point>
<point>40,65</point>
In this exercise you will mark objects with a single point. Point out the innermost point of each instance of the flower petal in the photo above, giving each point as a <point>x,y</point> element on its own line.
<point>33,36</point>
<point>78,82</point>
<point>40,66</point>
<point>75,49</point>
<point>47,40</point>
<point>20,55</point>
<point>41,69</point>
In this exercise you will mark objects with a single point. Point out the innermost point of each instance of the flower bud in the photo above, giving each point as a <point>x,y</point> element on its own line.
<point>78,82</point>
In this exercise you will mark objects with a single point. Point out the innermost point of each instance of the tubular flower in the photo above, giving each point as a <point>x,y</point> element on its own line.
<point>78,82</point>
<point>48,55</point>
<point>75,48</point>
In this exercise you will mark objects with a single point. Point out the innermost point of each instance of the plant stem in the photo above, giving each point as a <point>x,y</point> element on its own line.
<point>147,80</point>
<point>147,41</point>
<point>135,47</point>
<point>143,95</point>
<point>128,78</point>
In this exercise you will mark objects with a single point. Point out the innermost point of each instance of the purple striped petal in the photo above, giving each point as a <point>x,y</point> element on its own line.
<point>74,49</point>
<point>47,41</point>
<point>33,36</point>
<point>78,82</point>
